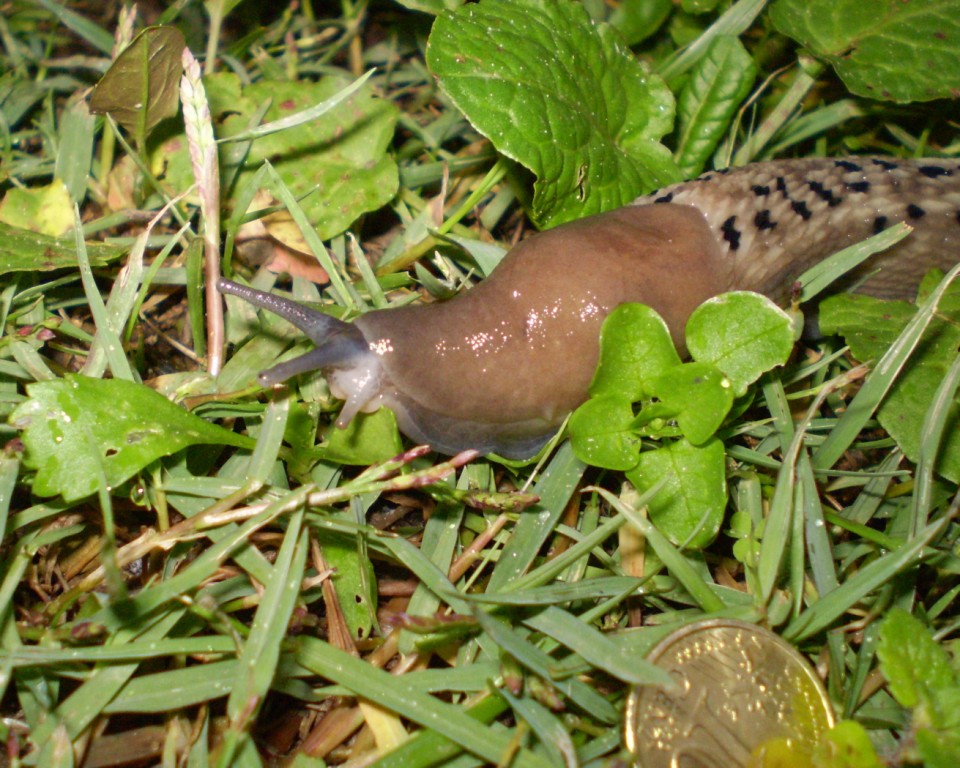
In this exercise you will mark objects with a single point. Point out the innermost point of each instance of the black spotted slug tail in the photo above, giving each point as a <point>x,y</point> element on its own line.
<point>776,219</point>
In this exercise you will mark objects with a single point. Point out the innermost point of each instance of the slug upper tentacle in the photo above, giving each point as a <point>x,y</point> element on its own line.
<point>500,366</point>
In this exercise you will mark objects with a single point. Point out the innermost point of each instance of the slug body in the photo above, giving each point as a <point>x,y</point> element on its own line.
<point>500,366</point>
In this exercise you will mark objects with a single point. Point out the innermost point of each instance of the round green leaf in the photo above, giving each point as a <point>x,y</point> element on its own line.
<point>688,508</point>
<point>743,334</point>
<point>699,394</point>
<point>601,434</point>
<point>635,349</point>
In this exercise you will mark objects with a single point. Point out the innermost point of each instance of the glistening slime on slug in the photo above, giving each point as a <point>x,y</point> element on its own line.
<point>500,366</point>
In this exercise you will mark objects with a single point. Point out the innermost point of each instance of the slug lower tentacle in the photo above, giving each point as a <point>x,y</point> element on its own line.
<point>500,366</point>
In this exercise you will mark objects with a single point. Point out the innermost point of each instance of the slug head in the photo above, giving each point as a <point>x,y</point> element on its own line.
<point>341,352</point>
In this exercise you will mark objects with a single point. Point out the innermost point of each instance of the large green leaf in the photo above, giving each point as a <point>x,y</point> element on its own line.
<point>78,430</point>
<point>883,49</point>
<point>337,165</point>
<point>560,95</point>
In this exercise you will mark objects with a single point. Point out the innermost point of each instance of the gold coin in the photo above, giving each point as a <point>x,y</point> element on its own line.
<point>738,687</point>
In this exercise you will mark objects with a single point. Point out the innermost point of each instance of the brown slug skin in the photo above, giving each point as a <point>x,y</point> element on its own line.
<point>522,345</point>
<point>498,367</point>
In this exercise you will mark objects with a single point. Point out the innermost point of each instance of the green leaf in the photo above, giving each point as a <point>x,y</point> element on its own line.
<point>709,100</point>
<point>340,159</point>
<point>912,661</point>
<point>870,326</point>
<point>700,396</point>
<point>78,429</point>
<point>889,50</point>
<point>353,580</point>
<point>939,749</point>
<point>846,745</point>
<point>920,676</point>
<point>560,95</point>
<point>337,165</point>
<point>744,334</point>
<point>688,509</point>
<point>635,348</point>
<point>25,251</point>
<point>47,209</point>
<point>369,439</point>
<point>142,87</point>
<point>636,20</point>
<point>601,432</point>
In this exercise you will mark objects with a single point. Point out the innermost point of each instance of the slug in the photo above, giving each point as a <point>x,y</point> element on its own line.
<point>499,367</point>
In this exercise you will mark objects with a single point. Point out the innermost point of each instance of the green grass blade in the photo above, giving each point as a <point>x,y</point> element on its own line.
<point>86,29</point>
<point>555,488</point>
<point>880,380</point>
<point>258,662</point>
<point>871,577</point>
<point>691,580</point>
<point>514,643</point>
<point>395,694</point>
<point>596,648</point>
<point>934,424</point>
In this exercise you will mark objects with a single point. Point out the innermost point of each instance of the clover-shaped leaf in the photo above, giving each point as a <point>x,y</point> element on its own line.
<point>601,432</point>
<point>635,349</point>
<point>743,334</point>
<point>688,508</point>
<point>698,395</point>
